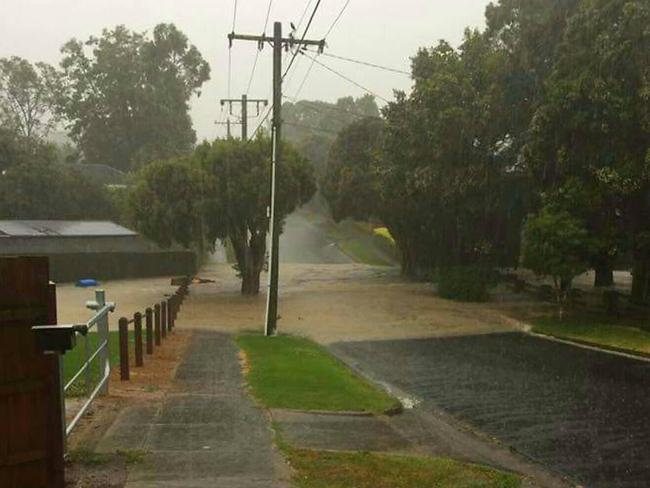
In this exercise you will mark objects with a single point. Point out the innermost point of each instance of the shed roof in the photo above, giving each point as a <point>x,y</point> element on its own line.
<point>62,228</point>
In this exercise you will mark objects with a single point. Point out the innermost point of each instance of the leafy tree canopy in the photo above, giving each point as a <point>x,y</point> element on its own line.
<point>312,126</point>
<point>126,94</point>
<point>166,202</point>
<point>27,97</point>
<point>40,190</point>
<point>350,183</point>
<point>556,244</point>
<point>237,207</point>
<point>592,132</point>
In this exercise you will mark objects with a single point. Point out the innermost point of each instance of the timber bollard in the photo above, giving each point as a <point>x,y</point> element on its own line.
<point>171,307</point>
<point>124,348</point>
<point>156,314</point>
<point>137,326</point>
<point>163,318</point>
<point>148,318</point>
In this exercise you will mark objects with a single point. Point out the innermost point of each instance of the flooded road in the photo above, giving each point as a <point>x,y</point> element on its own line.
<point>305,241</point>
<point>582,413</point>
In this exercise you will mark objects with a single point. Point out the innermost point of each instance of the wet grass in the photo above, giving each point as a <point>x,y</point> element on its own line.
<point>596,330</point>
<point>317,469</point>
<point>74,359</point>
<point>294,373</point>
<point>359,242</point>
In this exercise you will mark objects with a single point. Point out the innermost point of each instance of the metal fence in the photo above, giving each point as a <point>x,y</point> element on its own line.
<point>101,354</point>
<point>94,368</point>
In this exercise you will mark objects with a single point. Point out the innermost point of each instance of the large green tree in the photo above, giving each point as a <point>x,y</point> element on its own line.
<point>237,208</point>
<point>350,184</point>
<point>166,202</point>
<point>27,97</point>
<point>451,192</point>
<point>41,190</point>
<point>312,126</point>
<point>126,94</point>
<point>556,245</point>
<point>590,138</point>
<point>527,34</point>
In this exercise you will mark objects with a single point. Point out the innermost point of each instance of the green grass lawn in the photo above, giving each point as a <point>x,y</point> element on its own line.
<point>361,244</point>
<point>74,359</point>
<point>317,469</point>
<point>596,330</point>
<point>294,373</point>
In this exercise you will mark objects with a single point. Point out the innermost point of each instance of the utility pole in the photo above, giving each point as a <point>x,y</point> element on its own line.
<point>244,111</point>
<point>227,124</point>
<point>278,43</point>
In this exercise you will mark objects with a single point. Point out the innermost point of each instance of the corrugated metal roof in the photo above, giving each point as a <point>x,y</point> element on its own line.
<point>63,228</point>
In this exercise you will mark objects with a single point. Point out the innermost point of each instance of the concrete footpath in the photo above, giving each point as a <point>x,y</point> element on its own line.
<point>206,432</point>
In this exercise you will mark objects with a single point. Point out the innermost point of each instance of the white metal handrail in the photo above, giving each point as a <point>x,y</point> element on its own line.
<point>85,366</point>
<point>101,353</point>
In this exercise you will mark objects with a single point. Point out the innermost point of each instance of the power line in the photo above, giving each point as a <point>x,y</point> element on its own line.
<point>338,17</point>
<point>304,80</point>
<point>311,66</point>
<point>364,63</point>
<point>234,22</point>
<point>304,35</point>
<point>349,80</point>
<point>259,126</point>
<point>257,53</point>
<point>234,17</point>
<point>304,12</point>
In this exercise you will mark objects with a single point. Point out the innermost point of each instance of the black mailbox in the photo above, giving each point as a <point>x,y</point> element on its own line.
<point>57,338</point>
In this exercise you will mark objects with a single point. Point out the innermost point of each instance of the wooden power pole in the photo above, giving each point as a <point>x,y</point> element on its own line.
<point>278,42</point>
<point>244,110</point>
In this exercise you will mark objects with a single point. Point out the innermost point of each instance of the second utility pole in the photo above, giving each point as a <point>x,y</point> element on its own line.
<point>244,111</point>
<point>276,136</point>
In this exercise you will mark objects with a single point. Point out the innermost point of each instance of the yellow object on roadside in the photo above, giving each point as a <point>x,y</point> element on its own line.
<point>385,233</point>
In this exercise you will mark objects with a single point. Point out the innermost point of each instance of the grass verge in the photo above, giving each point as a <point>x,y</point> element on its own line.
<point>294,373</point>
<point>317,469</point>
<point>359,242</point>
<point>597,331</point>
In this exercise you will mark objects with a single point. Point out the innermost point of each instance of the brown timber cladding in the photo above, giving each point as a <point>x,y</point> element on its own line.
<point>31,436</point>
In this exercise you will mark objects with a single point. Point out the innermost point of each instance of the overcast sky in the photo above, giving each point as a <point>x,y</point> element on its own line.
<point>385,32</point>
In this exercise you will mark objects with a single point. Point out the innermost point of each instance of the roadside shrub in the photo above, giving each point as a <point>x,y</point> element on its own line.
<point>465,283</point>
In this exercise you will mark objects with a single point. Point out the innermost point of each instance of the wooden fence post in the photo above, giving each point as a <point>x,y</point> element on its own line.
<point>171,307</point>
<point>163,318</point>
<point>137,325</point>
<point>156,314</point>
<point>148,314</point>
<point>124,348</point>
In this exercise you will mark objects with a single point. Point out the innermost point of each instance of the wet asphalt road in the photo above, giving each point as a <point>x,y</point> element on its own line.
<point>305,241</point>
<point>582,413</point>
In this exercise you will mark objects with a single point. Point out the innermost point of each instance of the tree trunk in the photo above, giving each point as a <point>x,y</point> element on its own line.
<point>255,253</point>
<point>408,260</point>
<point>250,284</point>
<point>250,260</point>
<point>604,273</point>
